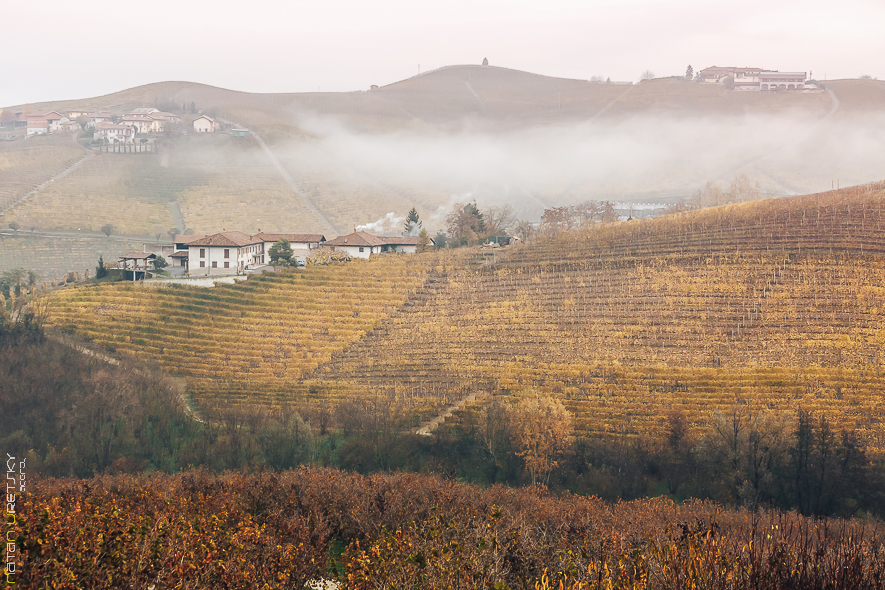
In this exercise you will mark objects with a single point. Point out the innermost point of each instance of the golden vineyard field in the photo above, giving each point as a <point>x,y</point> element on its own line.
<point>777,304</point>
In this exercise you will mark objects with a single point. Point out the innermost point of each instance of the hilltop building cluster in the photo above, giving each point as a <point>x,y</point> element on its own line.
<point>756,79</point>
<point>107,126</point>
<point>235,252</point>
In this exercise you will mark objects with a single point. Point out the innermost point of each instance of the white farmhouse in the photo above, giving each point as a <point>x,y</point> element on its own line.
<point>361,244</point>
<point>224,253</point>
<point>205,124</point>
<point>113,133</point>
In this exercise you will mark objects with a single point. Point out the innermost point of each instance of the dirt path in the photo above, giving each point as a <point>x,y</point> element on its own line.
<point>428,427</point>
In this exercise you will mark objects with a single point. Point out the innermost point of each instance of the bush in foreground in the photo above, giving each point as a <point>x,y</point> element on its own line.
<point>279,530</point>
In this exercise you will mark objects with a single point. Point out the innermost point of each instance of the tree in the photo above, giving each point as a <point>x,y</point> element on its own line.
<point>413,223</point>
<point>541,430</point>
<point>647,75</point>
<point>466,224</point>
<point>17,279</point>
<point>107,229</point>
<point>173,231</point>
<point>101,271</point>
<point>498,220</point>
<point>441,239</point>
<point>281,253</point>
<point>689,72</point>
<point>525,229</point>
<point>160,263</point>
<point>485,61</point>
<point>14,226</point>
<point>423,241</point>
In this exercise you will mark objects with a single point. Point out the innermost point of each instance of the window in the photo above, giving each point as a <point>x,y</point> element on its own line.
<point>202,252</point>
<point>214,264</point>
<point>362,249</point>
<point>202,264</point>
<point>184,262</point>
<point>227,265</point>
<point>227,253</point>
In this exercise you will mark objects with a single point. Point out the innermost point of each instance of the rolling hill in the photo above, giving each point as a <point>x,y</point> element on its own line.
<point>327,162</point>
<point>774,303</point>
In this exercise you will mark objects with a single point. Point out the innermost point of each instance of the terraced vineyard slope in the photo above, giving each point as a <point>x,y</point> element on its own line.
<point>774,303</point>
<point>246,343</point>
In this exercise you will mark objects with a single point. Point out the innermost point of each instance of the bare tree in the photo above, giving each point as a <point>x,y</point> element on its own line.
<point>499,220</point>
<point>647,75</point>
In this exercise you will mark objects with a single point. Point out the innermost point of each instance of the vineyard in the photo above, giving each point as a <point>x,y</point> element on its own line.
<point>776,304</point>
<point>53,257</point>
<point>247,343</point>
<point>24,164</point>
<point>630,321</point>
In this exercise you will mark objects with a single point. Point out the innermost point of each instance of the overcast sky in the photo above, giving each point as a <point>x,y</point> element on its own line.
<point>56,49</point>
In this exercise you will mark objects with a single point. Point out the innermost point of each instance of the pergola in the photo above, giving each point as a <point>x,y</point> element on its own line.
<point>135,258</point>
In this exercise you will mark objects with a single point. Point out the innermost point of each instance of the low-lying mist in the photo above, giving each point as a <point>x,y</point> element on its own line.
<point>640,158</point>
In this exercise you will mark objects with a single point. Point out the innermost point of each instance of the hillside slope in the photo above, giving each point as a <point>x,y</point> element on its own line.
<point>777,303</point>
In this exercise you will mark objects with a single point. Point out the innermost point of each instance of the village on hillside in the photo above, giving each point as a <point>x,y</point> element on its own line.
<point>142,125</point>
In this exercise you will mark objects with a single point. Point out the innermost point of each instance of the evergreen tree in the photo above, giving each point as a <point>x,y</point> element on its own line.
<point>412,224</point>
<point>689,73</point>
<point>281,253</point>
<point>101,271</point>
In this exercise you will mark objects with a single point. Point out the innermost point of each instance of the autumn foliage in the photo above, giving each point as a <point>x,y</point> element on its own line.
<point>280,530</point>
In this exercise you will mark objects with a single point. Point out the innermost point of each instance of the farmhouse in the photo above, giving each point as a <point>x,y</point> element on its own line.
<point>113,133</point>
<point>224,253</point>
<point>755,79</point>
<point>360,244</point>
<point>302,244</point>
<point>205,124</point>
<point>40,123</point>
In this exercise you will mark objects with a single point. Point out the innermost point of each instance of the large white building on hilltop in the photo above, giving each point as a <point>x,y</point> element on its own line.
<point>756,79</point>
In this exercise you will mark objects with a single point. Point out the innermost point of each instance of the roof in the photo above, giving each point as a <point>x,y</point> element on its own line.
<point>357,238</point>
<point>207,117</point>
<point>107,125</point>
<point>225,238</point>
<point>361,238</point>
<point>45,115</point>
<point>137,256</point>
<point>143,111</point>
<point>179,254</point>
<point>187,239</point>
<point>265,237</point>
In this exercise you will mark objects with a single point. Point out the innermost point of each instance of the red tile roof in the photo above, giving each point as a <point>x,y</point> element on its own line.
<point>265,237</point>
<point>226,238</point>
<point>358,238</point>
<point>179,254</point>
<point>362,238</point>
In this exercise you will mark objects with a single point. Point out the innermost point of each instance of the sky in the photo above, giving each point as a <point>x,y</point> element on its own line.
<point>65,50</point>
